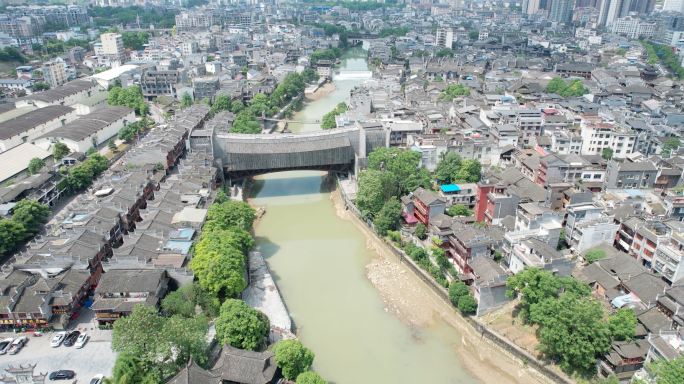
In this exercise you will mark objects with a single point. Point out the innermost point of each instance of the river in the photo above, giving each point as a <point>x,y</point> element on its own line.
<point>318,262</point>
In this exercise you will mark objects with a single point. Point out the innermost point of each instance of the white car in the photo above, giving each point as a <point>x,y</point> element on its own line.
<point>17,345</point>
<point>97,379</point>
<point>80,342</point>
<point>5,345</point>
<point>57,340</point>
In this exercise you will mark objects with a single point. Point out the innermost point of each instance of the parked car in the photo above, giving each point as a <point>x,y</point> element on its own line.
<point>97,379</point>
<point>62,375</point>
<point>17,345</point>
<point>5,345</point>
<point>57,340</point>
<point>80,342</point>
<point>71,338</point>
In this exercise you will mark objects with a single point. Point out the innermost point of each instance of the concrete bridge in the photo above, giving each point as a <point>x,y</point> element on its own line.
<point>355,38</point>
<point>335,150</point>
<point>295,121</point>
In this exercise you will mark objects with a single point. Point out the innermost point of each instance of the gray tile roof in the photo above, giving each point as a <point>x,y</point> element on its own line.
<point>91,123</point>
<point>239,366</point>
<point>68,89</point>
<point>32,119</point>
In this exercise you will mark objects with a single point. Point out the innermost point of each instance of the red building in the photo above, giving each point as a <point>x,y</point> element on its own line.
<point>427,204</point>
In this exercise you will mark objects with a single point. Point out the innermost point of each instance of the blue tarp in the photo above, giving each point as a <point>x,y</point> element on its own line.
<point>450,188</point>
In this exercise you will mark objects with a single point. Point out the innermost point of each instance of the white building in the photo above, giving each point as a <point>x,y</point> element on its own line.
<point>54,74</point>
<point>91,104</point>
<point>16,84</point>
<point>68,94</point>
<point>189,48</point>
<point>674,5</point>
<point>112,44</point>
<point>15,161</point>
<point>33,124</point>
<point>445,37</point>
<point>632,28</point>
<point>90,130</point>
<point>597,136</point>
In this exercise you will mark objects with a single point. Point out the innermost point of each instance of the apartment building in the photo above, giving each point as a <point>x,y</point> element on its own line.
<point>55,74</point>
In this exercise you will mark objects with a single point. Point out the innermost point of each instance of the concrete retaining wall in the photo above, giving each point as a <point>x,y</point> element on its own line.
<point>479,325</point>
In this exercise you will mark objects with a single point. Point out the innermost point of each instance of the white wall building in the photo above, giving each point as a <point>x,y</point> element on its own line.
<point>90,130</point>
<point>33,124</point>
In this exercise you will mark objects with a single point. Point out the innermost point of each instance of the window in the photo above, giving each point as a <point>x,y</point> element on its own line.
<point>598,176</point>
<point>587,176</point>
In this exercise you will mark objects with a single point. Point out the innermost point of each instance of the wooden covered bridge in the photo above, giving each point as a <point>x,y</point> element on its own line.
<point>333,151</point>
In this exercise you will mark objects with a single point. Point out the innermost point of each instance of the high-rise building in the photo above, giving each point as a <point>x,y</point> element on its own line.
<point>673,5</point>
<point>530,7</point>
<point>643,7</point>
<point>561,10</point>
<point>54,74</point>
<point>612,10</point>
<point>112,44</point>
<point>445,37</point>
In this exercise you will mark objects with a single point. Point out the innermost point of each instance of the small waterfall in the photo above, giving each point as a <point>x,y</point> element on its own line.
<point>352,75</point>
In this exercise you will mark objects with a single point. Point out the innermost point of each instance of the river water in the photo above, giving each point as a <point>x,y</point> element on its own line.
<point>318,262</point>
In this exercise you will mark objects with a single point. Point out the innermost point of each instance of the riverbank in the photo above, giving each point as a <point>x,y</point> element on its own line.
<point>321,92</point>
<point>409,299</point>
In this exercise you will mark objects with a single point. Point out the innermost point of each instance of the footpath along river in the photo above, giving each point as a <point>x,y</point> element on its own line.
<point>324,265</point>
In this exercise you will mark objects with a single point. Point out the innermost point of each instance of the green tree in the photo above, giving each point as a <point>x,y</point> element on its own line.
<point>572,330</point>
<point>31,215</point>
<point>474,35</point>
<point>533,285</point>
<point>127,132</point>
<point>233,214</point>
<point>420,231</point>
<point>184,300</point>
<point>178,303</point>
<point>237,107</point>
<point>81,176</point>
<point>241,326</point>
<point>620,52</point>
<point>223,273</point>
<point>667,371</point>
<point>669,145</point>
<point>186,100</point>
<point>556,85</point>
<point>222,103</point>
<point>13,73</point>
<point>130,369</point>
<point>221,197</point>
<point>111,145</point>
<point>40,86</point>
<point>457,289</point>
<point>245,123</point>
<point>310,75</point>
<point>220,239</point>
<point>11,233</point>
<point>59,151</point>
<point>35,165</point>
<point>453,170</point>
<point>292,358</point>
<point>139,334</point>
<point>97,163</point>
<point>389,216</point>
<point>459,210</point>
<point>445,52</point>
<point>467,304</point>
<point>623,324</point>
<point>310,377</point>
<point>594,255</point>
<point>607,153</point>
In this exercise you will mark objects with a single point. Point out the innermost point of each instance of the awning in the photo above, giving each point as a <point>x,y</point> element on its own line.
<point>621,301</point>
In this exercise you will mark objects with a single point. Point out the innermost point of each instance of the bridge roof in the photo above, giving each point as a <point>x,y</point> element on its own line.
<point>279,152</point>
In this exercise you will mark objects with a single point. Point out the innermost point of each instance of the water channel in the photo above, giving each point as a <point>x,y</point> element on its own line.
<point>318,262</point>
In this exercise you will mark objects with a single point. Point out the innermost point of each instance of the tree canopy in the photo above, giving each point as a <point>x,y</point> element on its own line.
<point>623,324</point>
<point>59,151</point>
<point>292,358</point>
<point>310,377</point>
<point>594,255</point>
<point>574,89</point>
<point>233,214</point>
<point>222,103</point>
<point>452,91</point>
<point>389,216</point>
<point>130,97</point>
<point>31,215</point>
<point>445,52</point>
<point>459,210</point>
<point>667,371</point>
<point>11,233</point>
<point>457,289</point>
<point>245,123</point>
<point>241,326</point>
<point>140,334</point>
<point>453,170</point>
<point>328,121</point>
<point>35,165</point>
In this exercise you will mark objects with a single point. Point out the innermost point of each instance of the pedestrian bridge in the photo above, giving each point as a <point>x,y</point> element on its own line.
<point>335,150</point>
